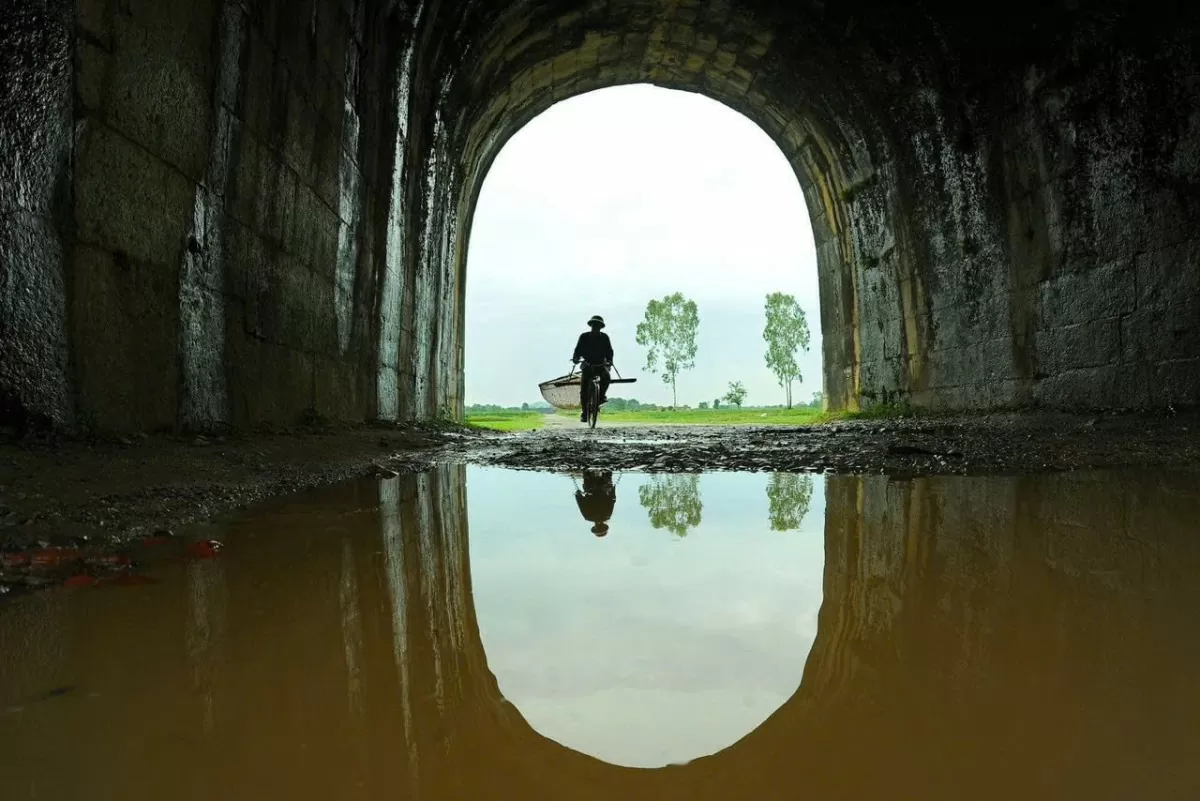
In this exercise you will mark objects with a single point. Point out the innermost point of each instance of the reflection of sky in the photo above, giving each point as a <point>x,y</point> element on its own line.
<point>642,648</point>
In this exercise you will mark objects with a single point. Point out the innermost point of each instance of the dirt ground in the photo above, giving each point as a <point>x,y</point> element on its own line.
<point>72,496</point>
<point>909,446</point>
<point>62,491</point>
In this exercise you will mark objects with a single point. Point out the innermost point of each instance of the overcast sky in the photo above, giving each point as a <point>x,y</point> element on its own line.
<point>619,196</point>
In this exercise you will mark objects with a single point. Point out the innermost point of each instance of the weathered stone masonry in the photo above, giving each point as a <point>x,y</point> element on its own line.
<point>35,153</point>
<point>226,212</point>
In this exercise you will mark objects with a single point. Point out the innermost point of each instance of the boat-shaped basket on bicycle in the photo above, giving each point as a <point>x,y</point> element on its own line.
<point>563,392</point>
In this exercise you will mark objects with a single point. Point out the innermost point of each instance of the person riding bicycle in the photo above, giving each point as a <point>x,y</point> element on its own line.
<point>596,350</point>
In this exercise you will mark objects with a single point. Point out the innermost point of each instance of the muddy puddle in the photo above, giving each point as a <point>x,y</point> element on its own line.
<point>486,633</point>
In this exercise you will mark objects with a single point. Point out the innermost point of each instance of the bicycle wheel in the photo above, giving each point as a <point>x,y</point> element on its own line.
<point>594,403</point>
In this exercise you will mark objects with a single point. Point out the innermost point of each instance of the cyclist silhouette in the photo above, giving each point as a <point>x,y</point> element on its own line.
<point>597,499</point>
<point>595,349</point>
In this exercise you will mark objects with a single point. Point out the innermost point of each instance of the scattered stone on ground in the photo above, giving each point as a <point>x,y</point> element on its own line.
<point>908,446</point>
<point>59,490</point>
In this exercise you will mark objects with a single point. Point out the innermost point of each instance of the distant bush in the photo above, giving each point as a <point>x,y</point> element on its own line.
<point>477,409</point>
<point>623,405</point>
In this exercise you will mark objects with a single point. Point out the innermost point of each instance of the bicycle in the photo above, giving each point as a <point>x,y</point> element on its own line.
<point>564,392</point>
<point>591,406</point>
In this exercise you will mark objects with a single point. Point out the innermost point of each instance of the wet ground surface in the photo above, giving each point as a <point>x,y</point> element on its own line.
<point>89,494</point>
<point>464,633</point>
<point>68,506</point>
<point>914,446</point>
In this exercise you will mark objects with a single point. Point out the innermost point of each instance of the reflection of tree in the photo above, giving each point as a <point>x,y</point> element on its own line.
<point>788,495</point>
<point>672,501</point>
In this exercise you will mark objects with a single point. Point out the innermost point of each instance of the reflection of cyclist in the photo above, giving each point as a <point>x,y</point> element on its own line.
<point>594,348</point>
<point>597,499</point>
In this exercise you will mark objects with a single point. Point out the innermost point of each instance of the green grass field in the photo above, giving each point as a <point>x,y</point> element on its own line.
<point>528,421</point>
<point>715,417</point>
<point>507,421</point>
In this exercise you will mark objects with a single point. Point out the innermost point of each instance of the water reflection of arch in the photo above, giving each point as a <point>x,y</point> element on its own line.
<point>495,737</point>
<point>938,595</point>
<point>498,736</point>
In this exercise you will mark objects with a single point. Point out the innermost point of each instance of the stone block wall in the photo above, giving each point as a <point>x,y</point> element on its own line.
<point>1053,196</point>
<point>35,210</point>
<point>224,213</point>
<point>1115,295</point>
<point>220,273</point>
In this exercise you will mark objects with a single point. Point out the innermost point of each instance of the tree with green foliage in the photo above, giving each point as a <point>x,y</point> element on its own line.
<point>672,502</point>
<point>669,333</point>
<point>818,400</point>
<point>788,497</point>
<point>717,403</point>
<point>736,394</point>
<point>786,332</point>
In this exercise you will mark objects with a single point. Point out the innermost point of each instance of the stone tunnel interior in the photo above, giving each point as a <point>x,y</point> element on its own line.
<point>229,213</point>
<point>222,218</point>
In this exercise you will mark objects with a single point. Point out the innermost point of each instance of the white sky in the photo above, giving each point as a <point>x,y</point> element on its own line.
<point>619,196</point>
<point>642,648</point>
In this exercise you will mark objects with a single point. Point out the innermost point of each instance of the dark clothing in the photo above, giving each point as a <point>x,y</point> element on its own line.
<point>585,383</point>
<point>593,347</point>
<point>596,508</point>
<point>598,498</point>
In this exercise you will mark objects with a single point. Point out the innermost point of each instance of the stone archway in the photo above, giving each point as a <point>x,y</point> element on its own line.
<point>836,149</point>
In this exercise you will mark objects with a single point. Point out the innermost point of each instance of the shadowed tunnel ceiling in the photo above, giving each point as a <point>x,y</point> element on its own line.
<point>229,212</point>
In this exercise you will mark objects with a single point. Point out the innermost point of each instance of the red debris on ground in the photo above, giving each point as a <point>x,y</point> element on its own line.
<point>204,549</point>
<point>74,568</point>
<point>53,557</point>
<point>13,559</point>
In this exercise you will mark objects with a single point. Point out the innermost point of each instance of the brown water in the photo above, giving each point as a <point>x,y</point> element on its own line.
<point>730,637</point>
